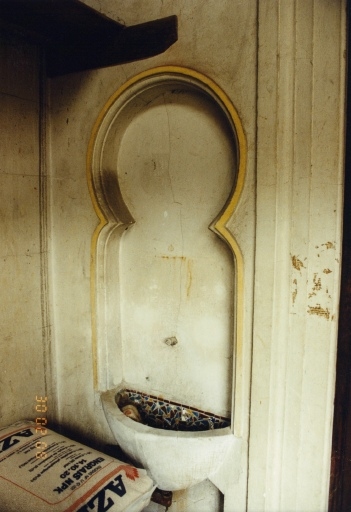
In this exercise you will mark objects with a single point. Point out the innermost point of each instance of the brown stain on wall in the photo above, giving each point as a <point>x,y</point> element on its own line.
<point>317,286</point>
<point>294,293</point>
<point>329,245</point>
<point>296,263</point>
<point>189,272</point>
<point>166,257</point>
<point>189,277</point>
<point>319,311</point>
<point>317,283</point>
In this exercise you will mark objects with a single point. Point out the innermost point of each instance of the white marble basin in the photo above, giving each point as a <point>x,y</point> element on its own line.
<point>175,460</point>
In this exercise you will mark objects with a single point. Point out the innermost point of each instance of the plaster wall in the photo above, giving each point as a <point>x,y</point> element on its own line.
<point>22,326</point>
<point>290,57</point>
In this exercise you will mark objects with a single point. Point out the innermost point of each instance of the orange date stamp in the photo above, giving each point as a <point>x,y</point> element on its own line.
<point>41,422</point>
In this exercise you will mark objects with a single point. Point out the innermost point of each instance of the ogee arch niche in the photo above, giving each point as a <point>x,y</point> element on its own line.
<point>166,167</point>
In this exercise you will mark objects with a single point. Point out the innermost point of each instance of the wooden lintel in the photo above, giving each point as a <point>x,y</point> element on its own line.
<point>78,38</point>
<point>129,44</point>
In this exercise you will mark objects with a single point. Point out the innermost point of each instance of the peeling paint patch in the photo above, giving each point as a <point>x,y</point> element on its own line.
<point>329,245</point>
<point>296,263</point>
<point>327,271</point>
<point>294,293</point>
<point>317,282</point>
<point>317,286</point>
<point>319,311</point>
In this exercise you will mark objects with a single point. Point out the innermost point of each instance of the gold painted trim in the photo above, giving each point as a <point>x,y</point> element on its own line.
<point>219,226</point>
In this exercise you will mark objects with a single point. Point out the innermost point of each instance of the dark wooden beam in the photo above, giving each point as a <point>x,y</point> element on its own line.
<point>129,44</point>
<point>78,38</point>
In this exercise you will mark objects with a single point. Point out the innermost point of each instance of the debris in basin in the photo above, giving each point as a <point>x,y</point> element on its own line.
<point>161,413</point>
<point>127,406</point>
<point>132,412</point>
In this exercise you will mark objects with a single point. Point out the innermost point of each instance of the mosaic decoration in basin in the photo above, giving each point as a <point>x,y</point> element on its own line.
<point>161,413</point>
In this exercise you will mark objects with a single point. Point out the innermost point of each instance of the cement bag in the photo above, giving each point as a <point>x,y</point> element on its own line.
<point>43,471</point>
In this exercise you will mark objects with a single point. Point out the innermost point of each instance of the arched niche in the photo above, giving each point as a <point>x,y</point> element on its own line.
<point>166,161</point>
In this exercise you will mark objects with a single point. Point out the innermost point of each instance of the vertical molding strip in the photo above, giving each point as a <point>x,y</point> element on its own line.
<point>43,240</point>
<point>284,160</point>
<point>299,252</point>
<point>326,192</point>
